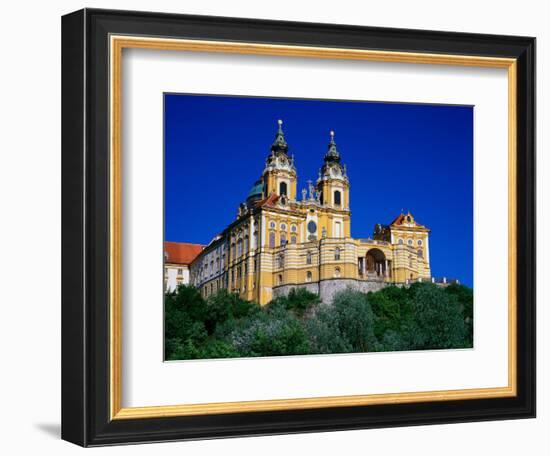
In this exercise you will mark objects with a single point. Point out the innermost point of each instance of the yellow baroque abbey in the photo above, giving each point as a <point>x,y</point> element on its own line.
<point>281,240</point>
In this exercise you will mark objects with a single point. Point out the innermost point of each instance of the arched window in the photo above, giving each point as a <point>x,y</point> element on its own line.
<point>420,253</point>
<point>279,279</point>
<point>410,242</point>
<point>293,239</point>
<point>337,197</point>
<point>239,247</point>
<point>337,272</point>
<point>308,258</point>
<point>283,239</point>
<point>272,240</point>
<point>419,242</point>
<point>294,228</point>
<point>400,241</point>
<point>283,226</point>
<point>337,253</point>
<point>308,276</point>
<point>282,189</point>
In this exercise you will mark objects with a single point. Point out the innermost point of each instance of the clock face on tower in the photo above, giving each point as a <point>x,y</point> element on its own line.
<point>312,227</point>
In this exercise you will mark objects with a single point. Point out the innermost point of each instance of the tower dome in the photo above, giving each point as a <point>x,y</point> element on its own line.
<point>279,158</point>
<point>256,192</point>
<point>332,168</point>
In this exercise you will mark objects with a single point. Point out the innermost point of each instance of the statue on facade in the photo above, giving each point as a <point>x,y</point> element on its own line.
<point>311,189</point>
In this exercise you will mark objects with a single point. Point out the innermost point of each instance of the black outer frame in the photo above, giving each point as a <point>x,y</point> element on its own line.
<point>85,227</point>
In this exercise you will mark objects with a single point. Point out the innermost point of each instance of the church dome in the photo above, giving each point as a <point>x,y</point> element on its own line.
<point>256,192</point>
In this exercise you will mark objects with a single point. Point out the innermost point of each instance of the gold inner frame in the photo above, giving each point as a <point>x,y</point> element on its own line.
<point>117,44</point>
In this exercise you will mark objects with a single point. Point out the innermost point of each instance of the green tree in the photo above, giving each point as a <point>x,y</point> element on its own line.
<point>184,329</point>
<point>346,325</point>
<point>273,333</point>
<point>324,332</point>
<point>422,316</point>
<point>465,298</point>
<point>391,308</point>
<point>438,321</point>
<point>299,301</point>
<point>224,306</point>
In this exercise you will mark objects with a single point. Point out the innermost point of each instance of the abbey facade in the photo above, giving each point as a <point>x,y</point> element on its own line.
<point>282,240</point>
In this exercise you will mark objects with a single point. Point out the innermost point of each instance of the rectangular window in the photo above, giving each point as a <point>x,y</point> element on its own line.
<point>337,198</point>
<point>337,229</point>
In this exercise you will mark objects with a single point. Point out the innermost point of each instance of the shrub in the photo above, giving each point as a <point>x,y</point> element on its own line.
<point>324,333</point>
<point>224,306</point>
<point>345,326</point>
<point>272,333</point>
<point>299,301</point>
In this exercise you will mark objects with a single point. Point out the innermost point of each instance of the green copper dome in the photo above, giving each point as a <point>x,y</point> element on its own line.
<point>256,192</point>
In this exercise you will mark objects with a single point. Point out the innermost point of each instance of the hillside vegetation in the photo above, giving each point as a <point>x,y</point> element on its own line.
<point>420,317</point>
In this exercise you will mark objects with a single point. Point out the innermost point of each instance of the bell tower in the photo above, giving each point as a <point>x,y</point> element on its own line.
<point>279,176</point>
<point>333,188</point>
<point>333,182</point>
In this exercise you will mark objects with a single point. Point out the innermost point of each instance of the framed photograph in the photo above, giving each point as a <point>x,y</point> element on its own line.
<point>278,227</point>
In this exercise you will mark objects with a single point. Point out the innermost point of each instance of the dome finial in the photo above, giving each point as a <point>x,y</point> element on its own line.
<point>332,153</point>
<point>279,145</point>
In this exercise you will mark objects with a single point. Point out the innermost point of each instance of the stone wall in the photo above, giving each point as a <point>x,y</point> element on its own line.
<point>329,288</point>
<point>326,289</point>
<point>283,290</point>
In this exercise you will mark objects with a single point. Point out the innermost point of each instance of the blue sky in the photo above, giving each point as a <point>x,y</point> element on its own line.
<point>415,157</point>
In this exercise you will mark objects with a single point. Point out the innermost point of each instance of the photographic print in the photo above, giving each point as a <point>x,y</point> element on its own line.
<point>258,201</point>
<point>304,227</point>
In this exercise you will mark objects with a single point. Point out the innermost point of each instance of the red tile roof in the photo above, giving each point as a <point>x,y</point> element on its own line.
<point>181,252</point>
<point>401,218</point>
<point>398,220</point>
<point>268,201</point>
